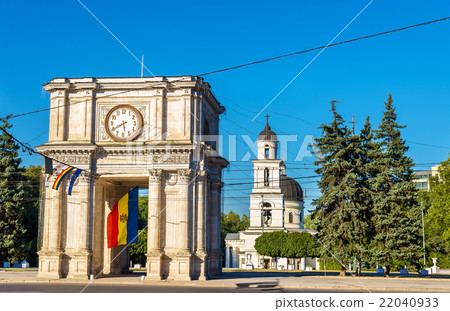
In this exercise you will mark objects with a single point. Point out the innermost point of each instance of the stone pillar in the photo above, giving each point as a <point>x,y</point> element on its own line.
<point>80,264</point>
<point>201,252</point>
<point>154,251</point>
<point>303,264</point>
<point>183,256</point>
<point>227,256</point>
<point>88,128</point>
<point>234,256</point>
<point>216,247</point>
<point>47,222</point>
<point>98,225</point>
<point>107,252</point>
<point>50,255</point>
<point>58,114</point>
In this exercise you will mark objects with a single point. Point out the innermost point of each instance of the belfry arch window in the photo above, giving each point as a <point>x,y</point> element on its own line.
<point>266,214</point>
<point>266,151</point>
<point>291,217</point>
<point>266,177</point>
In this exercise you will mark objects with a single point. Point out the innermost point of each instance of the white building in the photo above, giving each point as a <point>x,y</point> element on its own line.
<point>276,203</point>
<point>421,178</point>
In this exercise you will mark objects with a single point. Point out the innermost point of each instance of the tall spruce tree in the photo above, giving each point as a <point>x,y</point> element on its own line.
<point>12,195</point>
<point>396,211</point>
<point>340,210</point>
<point>368,149</point>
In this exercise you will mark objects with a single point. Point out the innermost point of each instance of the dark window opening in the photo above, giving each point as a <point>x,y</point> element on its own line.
<point>267,217</point>
<point>266,177</point>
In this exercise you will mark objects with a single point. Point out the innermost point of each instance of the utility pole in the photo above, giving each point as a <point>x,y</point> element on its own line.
<point>353,123</point>
<point>261,263</point>
<point>423,237</point>
<point>262,213</point>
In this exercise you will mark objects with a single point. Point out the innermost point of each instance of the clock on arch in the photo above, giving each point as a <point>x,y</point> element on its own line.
<point>123,123</point>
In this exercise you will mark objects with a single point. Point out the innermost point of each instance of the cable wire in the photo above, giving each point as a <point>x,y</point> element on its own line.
<point>325,46</point>
<point>267,59</point>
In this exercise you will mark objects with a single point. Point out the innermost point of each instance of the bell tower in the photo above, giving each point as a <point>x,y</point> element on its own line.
<point>266,199</point>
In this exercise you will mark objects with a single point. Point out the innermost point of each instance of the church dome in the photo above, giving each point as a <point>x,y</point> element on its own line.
<point>267,134</point>
<point>291,189</point>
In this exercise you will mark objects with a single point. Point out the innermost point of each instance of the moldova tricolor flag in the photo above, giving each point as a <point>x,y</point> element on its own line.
<point>122,224</point>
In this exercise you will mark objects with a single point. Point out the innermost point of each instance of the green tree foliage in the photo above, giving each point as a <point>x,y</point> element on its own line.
<point>288,245</point>
<point>396,212</point>
<point>368,205</point>
<point>342,212</point>
<point>13,194</point>
<point>232,223</point>
<point>143,212</point>
<point>329,264</point>
<point>271,244</point>
<point>309,222</point>
<point>33,175</point>
<point>367,150</point>
<point>138,250</point>
<point>299,245</point>
<point>437,217</point>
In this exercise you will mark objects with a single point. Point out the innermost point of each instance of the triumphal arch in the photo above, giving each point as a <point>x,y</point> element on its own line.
<point>153,132</point>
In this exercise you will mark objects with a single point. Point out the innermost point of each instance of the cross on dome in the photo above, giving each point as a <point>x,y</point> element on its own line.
<point>267,116</point>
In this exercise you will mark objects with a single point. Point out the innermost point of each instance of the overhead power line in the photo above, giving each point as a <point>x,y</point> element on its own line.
<point>325,46</point>
<point>267,59</point>
<point>27,148</point>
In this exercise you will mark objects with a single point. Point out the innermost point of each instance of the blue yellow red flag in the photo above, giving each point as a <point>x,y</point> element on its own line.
<point>122,222</point>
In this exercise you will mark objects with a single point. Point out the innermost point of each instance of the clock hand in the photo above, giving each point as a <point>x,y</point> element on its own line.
<point>119,125</point>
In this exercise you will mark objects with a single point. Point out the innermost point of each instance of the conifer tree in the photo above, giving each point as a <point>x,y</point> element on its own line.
<point>396,212</point>
<point>341,209</point>
<point>368,149</point>
<point>12,196</point>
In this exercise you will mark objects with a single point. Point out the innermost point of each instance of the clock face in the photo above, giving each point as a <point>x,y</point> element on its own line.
<point>123,123</point>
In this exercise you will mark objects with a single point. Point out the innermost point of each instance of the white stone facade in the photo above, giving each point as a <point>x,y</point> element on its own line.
<point>170,157</point>
<point>271,209</point>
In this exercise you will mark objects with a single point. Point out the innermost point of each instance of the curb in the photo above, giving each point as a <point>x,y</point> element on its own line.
<point>197,284</point>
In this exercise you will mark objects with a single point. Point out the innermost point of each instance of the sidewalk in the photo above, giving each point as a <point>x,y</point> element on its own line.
<point>263,279</point>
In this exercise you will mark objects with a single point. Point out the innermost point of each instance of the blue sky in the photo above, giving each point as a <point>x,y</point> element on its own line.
<point>43,40</point>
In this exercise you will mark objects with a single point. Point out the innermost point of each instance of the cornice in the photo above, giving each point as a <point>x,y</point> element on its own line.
<point>48,149</point>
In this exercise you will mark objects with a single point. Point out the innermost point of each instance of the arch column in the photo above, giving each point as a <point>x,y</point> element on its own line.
<point>50,256</point>
<point>184,210</point>
<point>154,251</point>
<point>201,251</point>
<point>214,219</point>
<point>80,263</point>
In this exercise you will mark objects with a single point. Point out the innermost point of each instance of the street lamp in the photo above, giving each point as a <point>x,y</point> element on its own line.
<point>262,212</point>
<point>262,227</point>
<point>423,236</point>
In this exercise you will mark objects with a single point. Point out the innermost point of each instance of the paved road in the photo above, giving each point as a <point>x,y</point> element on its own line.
<point>113,288</point>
